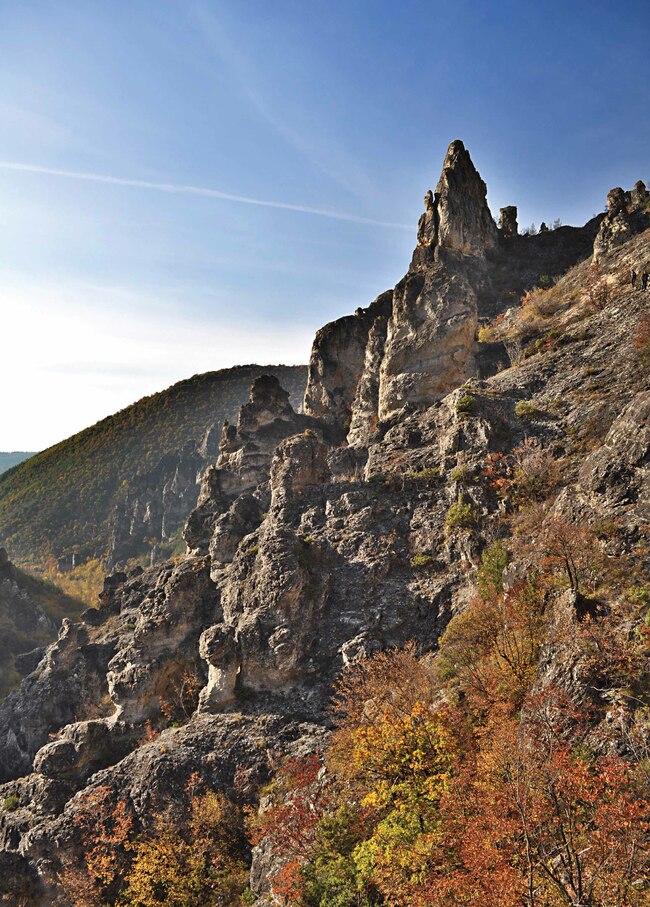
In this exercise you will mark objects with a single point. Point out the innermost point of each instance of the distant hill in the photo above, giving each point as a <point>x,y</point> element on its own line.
<point>61,499</point>
<point>7,460</point>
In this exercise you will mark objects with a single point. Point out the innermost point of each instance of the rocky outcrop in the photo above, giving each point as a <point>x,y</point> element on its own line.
<point>428,348</point>
<point>414,345</point>
<point>70,678</point>
<point>338,360</point>
<point>614,480</point>
<point>456,218</point>
<point>245,452</point>
<point>430,337</point>
<point>156,661</point>
<point>508,226</point>
<point>82,749</point>
<point>628,213</point>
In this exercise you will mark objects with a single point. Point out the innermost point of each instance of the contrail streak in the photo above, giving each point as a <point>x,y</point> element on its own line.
<point>182,189</point>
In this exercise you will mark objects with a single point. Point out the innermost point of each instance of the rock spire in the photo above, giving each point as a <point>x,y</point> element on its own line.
<point>456,217</point>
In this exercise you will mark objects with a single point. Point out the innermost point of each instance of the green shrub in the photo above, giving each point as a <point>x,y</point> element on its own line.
<point>463,474</point>
<point>461,515</point>
<point>465,404</point>
<point>418,561</point>
<point>640,595</point>
<point>526,410</point>
<point>426,474</point>
<point>11,803</point>
<point>489,578</point>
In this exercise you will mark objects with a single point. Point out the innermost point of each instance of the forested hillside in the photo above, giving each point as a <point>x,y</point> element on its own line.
<point>61,499</point>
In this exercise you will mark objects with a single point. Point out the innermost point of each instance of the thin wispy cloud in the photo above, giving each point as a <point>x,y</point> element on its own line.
<point>300,131</point>
<point>202,191</point>
<point>243,69</point>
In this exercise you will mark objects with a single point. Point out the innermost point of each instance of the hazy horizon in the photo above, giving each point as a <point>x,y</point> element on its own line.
<point>188,187</point>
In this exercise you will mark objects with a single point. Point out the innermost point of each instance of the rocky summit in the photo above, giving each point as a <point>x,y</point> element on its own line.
<point>352,528</point>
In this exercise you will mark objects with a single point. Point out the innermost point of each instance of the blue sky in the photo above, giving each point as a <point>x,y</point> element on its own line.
<point>115,287</point>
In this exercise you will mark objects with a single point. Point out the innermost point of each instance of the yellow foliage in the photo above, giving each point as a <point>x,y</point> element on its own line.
<point>191,863</point>
<point>83,583</point>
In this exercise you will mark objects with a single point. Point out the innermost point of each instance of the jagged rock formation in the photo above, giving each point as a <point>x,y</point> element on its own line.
<point>415,344</point>
<point>628,213</point>
<point>457,218</point>
<point>338,359</point>
<point>508,226</point>
<point>320,538</point>
<point>157,503</point>
<point>245,452</point>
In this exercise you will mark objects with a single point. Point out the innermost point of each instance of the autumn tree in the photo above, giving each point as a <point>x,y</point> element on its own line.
<point>190,860</point>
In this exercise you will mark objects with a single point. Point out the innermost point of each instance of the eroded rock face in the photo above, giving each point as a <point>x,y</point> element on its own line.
<point>269,594</point>
<point>70,677</point>
<point>82,749</point>
<point>365,406</point>
<point>337,363</point>
<point>299,464</point>
<point>628,213</point>
<point>218,647</point>
<point>614,480</point>
<point>161,648</point>
<point>428,348</point>
<point>156,504</point>
<point>364,369</point>
<point>245,452</point>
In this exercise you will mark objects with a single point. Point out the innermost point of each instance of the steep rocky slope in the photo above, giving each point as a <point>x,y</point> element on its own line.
<point>324,537</point>
<point>129,482</point>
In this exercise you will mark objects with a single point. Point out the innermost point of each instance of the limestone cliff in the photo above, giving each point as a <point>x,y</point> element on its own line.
<point>323,537</point>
